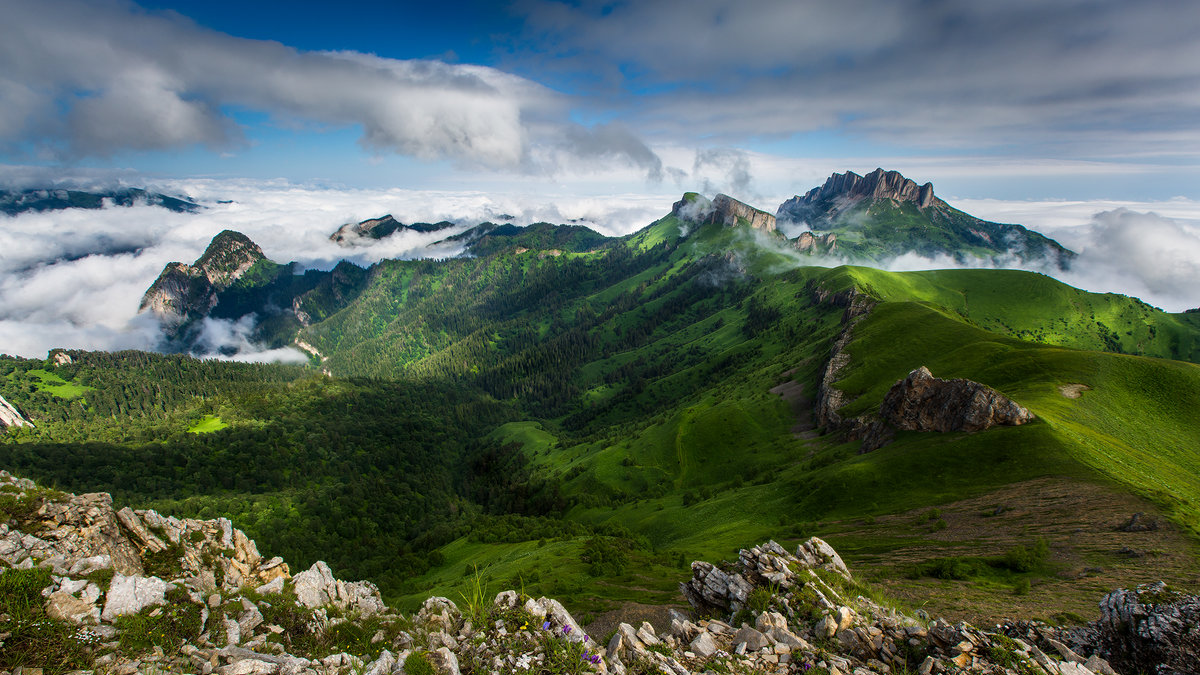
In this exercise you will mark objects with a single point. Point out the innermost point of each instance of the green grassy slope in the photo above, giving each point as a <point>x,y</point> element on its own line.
<point>615,396</point>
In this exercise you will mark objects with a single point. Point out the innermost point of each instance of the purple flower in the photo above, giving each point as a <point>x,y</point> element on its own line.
<point>546,626</point>
<point>596,658</point>
<point>566,630</point>
<point>585,638</point>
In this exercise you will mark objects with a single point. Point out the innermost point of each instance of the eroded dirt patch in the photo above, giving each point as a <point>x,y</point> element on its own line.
<point>1073,390</point>
<point>1089,552</point>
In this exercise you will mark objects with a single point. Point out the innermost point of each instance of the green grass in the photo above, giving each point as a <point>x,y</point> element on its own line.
<point>53,384</point>
<point>207,425</point>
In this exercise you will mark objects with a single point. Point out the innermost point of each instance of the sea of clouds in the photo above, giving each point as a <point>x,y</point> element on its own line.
<point>75,278</point>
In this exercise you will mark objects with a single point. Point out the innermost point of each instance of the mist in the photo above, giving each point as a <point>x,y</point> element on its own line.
<point>75,278</point>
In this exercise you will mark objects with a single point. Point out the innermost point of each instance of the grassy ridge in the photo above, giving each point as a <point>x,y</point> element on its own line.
<point>617,399</point>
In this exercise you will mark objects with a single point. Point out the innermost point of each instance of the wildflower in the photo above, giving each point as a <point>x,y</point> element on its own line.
<point>586,638</point>
<point>546,626</point>
<point>566,630</point>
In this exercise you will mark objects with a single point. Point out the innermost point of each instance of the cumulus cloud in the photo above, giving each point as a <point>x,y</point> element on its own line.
<point>1141,254</point>
<point>1093,79</point>
<point>74,278</point>
<point>732,172</point>
<point>84,79</point>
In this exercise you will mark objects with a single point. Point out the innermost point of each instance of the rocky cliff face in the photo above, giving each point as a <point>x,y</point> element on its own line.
<point>722,209</point>
<point>850,187</point>
<point>807,242</point>
<point>127,591</point>
<point>186,291</point>
<point>11,417</point>
<point>922,402</point>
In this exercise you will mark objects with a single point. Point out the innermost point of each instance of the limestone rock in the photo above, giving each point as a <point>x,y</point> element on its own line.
<point>703,646</point>
<point>712,589</point>
<point>850,187</point>
<point>316,587</point>
<point>11,417</point>
<point>722,209</point>
<point>132,594</point>
<point>66,607</point>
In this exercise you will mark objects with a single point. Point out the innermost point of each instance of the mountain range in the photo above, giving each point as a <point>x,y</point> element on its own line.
<point>583,414</point>
<point>13,202</point>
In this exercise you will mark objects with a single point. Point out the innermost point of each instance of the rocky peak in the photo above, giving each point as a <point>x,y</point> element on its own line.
<point>722,209</point>
<point>878,184</point>
<point>372,228</point>
<point>227,257</point>
<point>182,290</point>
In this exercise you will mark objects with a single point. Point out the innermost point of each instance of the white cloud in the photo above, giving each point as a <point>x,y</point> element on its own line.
<point>75,278</point>
<point>82,79</point>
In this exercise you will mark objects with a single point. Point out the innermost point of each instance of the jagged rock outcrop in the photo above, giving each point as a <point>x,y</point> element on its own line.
<point>829,397</point>
<point>187,291</point>
<point>59,358</point>
<point>889,215</point>
<point>11,417</point>
<point>922,402</point>
<point>722,209</point>
<point>317,587</point>
<point>807,242</point>
<point>850,187</point>
<point>1150,629</point>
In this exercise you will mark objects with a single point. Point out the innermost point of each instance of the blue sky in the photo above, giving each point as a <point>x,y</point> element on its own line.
<point>1079,99</point>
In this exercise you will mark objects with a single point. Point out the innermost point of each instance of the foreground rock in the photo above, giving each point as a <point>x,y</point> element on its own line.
<point>196,596</point>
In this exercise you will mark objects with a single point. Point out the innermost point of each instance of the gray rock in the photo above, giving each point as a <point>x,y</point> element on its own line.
<point>273,586</point>
<point>753,639</point>
<point>1150,629</point>
<point>703,646</point>
<point>250,667</point>
<point>922,402</point>
<point>132,594</point>
<point>446,661</point>
<point>316,587</point>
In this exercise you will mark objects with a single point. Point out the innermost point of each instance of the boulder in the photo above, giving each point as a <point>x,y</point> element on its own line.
<point>317,587</point>
<point>66,607</point>
<point>922,402</point>
<point>132,594</point>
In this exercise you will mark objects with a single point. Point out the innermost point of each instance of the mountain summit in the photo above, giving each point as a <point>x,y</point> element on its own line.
<point>883,215</point>
<point>182,291</point>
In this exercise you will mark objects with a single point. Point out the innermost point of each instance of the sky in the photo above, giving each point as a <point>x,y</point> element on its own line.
<point>1079,118</point>
<point>1074,99</point>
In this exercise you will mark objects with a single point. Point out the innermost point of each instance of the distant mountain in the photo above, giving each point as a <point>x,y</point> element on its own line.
<point>883,214</point>
<point>374,229</point>
<point>13,202</point>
